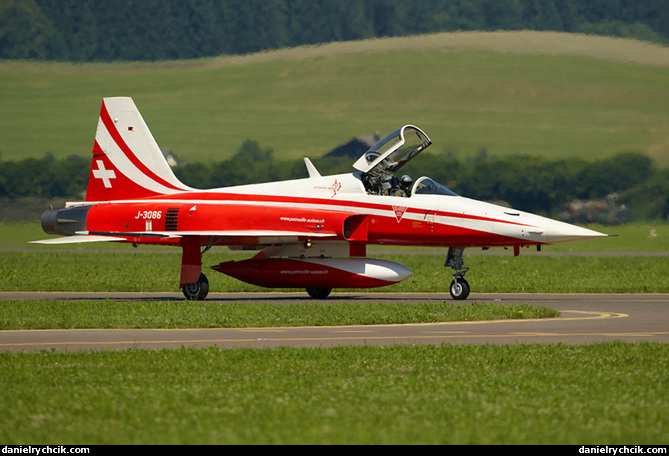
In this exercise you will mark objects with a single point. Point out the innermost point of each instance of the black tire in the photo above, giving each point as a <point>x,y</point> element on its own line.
<point>459,290</point>
<point>319,293</point>
<point>197,291</point>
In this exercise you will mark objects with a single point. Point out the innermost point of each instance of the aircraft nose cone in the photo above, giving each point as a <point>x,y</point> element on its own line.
<point>558,232</point>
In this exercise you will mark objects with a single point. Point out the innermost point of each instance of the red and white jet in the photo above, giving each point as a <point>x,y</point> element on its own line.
<point>308,233</point>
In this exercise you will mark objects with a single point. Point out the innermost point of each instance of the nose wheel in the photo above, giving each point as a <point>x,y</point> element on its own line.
<point>459,288</point>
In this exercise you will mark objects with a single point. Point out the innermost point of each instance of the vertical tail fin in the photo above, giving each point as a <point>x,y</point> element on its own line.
<point>127,162</point>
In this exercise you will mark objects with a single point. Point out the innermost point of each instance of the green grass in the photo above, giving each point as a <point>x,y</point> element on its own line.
<point>611,265</point>
<point>128,271</point>
<point>305,102</point>
<point>105,314</point>
<point>600,394</point>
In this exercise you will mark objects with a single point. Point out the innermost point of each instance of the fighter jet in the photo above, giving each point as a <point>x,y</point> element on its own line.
<point>309,233</point>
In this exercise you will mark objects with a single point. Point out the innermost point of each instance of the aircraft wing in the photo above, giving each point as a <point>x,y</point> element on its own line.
<point>99,236</point>
<point>78,239</point>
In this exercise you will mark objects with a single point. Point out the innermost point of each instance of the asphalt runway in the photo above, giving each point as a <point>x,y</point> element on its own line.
<point>586,318</point>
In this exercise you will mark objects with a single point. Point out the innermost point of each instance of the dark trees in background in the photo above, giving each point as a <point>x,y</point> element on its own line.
<point>93,30</point>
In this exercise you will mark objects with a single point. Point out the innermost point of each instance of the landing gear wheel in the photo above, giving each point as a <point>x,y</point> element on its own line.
<point>197,291</point>
<point>459,289</point>
<point>319,293</point>
<point>459,286</point>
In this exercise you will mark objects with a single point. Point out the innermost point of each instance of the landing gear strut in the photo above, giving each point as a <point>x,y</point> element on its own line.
<point>459,288</point>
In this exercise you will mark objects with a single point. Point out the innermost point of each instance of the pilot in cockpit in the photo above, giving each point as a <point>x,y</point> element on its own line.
<point>386,157</point>
<point>406,182</point>
<point>401,187</point>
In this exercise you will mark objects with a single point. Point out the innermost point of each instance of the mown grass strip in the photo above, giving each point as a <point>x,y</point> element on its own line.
<point>50,314</point>
<point>613,394</point>
<point>142,270</point>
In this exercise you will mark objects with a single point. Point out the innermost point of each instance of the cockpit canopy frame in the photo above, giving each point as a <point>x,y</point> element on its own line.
<point>428,186</point>
<point>382,160</point>
<point>394,151</point>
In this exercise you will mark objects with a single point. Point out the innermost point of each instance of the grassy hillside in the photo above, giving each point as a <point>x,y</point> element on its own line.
<point>526,92</point>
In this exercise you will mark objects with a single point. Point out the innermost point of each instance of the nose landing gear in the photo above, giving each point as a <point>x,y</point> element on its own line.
<point>459,287</point>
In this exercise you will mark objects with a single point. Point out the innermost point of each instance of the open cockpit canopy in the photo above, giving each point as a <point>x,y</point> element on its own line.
<point>394,151</point>
<point>387,156</point>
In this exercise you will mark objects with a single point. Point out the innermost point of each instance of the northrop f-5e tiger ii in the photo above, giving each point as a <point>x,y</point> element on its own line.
<point>307,233</point>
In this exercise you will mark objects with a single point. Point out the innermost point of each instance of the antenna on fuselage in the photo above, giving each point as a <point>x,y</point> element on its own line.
<point>311,169</point>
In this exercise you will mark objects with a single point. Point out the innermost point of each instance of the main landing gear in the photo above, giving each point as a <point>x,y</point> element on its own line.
<point>194,284</point>
<point>459,288</point>
<point>319,293</point>
<point>197,291</point>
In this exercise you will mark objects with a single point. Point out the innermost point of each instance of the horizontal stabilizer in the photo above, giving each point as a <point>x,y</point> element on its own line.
<point>78,240</point>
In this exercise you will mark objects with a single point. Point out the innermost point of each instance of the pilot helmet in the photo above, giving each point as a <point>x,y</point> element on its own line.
<point>406,180</point>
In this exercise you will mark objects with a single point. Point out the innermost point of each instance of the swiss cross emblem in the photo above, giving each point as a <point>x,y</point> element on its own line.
<point>399,212</point>
<point>105,174</point>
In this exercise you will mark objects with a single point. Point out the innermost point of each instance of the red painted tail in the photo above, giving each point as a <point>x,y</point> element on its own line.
<point>127,162</point>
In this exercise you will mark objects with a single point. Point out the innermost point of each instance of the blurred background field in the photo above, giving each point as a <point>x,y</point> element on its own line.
<point>539,93</point>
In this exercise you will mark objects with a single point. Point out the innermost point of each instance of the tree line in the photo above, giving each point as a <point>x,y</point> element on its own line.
<point>616,189</point>
<point>131,30</point>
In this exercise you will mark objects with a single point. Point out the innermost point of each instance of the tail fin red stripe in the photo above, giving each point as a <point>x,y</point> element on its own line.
<point>116,136</point>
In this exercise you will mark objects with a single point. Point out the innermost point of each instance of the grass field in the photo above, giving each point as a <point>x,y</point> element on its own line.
<point>115,314</point>
<point>128,272</point>
<point>602,394</point>
<point>555,95</point>
<point>621,264</point>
